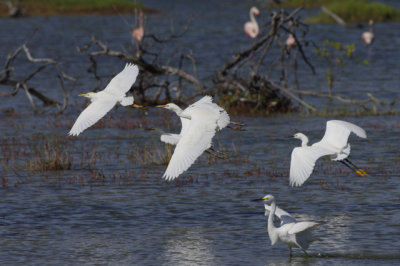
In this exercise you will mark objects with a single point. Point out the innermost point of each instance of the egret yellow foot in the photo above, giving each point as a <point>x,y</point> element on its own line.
<point>361,172</point>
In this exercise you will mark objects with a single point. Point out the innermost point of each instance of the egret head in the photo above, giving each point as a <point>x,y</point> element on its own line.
<point>302,137</point>
<point>299,136</point>
<point>89,95</point>
<point>170,106</point>
<point>267,199</point>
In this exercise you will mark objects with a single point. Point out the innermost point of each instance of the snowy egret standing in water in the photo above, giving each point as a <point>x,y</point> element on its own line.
<point>294,234</point>
<point>333,143</point>
<point>103,101</point>
<point>199,121</point>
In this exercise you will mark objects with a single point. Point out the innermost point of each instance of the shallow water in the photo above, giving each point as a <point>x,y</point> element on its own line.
<point>112,206</point>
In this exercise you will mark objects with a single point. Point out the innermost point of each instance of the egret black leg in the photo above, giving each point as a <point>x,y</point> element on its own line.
<point>348,165</point>
<point>215,153</point>
<point>358,171</point>
<point>237,126</point>
<point>356,167</point>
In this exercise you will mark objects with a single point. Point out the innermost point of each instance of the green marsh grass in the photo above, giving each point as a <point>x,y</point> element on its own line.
<point>358,11</point>
<point>349,10</point>
<point>74,7</point>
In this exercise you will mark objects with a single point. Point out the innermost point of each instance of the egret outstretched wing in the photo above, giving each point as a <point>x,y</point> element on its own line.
<point>223,118</point>
<point>93,113</point>
<point>189,148</point>
<point>123,82</point>
<point>170,138</point>
<point>283,215</point>
<point>337,133</point>
<point>301,226</point>
<point>303,161</point>
<point>197,138</point>
<point>205,99</point>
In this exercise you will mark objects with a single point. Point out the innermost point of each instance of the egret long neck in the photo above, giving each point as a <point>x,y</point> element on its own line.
<point>271,216</point>
<point>180,113</point>
<point>304,141</point>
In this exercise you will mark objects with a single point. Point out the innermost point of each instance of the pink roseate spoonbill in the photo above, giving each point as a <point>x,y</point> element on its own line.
<point>251,27</point>
<point>368,37</point>
<point>138,33</point>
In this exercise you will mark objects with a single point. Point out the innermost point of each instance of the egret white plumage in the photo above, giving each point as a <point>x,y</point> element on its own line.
<point>334,143</point>
<point>200,121</point>
<point>103,101</point>
<point>294,234</point>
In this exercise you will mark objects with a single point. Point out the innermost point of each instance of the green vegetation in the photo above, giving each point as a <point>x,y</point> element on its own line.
<point>337,57</point>
<point>74,7</point>
<point>358,11</point>
<point>84,4</point>
<point>309,3</point>
<point>348,10</point>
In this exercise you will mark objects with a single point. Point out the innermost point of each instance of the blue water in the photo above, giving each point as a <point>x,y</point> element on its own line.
<point>112,206</point>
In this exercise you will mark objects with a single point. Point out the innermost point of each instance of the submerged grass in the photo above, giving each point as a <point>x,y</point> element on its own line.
<point>50,156</point>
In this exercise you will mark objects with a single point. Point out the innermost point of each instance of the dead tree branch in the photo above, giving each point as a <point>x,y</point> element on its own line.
<point>155,74</point>
<point>8,78</point>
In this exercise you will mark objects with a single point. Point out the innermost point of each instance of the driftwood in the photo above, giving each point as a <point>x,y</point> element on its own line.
<point>7,78</point>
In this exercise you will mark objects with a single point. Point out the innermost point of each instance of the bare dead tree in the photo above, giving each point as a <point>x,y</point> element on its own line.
<point>9,78</point>
<point>161,80</point>
<point>261,77</point>
<point>246,79</point>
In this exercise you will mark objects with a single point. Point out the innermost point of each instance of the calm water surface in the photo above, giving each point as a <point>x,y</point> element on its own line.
<point>117,210</point>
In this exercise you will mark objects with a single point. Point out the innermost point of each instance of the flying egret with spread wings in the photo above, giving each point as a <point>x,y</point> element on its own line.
<point>334,143</point>
<point>294,234</point>
<point>200,121</point>
<point>103,101</point>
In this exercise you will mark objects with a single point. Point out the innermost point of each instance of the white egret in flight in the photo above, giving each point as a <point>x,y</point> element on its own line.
<point>334,143</point>
<point>199,121</point>
<point>103,101</point>
<point>294,234</point>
